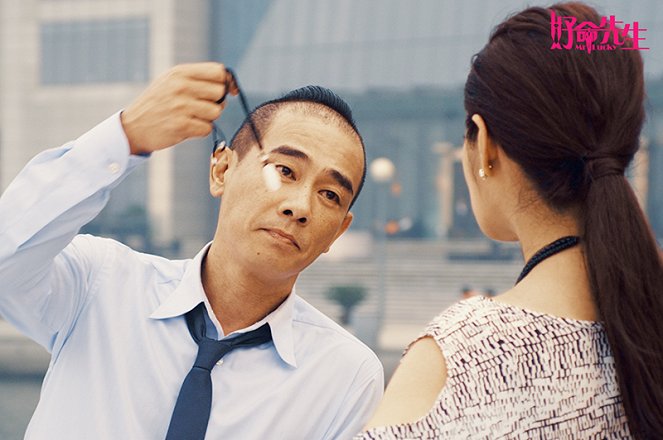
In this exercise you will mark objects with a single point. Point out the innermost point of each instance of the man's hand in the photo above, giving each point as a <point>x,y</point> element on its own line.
<point>179,104</point>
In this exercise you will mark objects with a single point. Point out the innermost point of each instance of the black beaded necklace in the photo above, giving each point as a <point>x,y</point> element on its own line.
<point>548,251</point>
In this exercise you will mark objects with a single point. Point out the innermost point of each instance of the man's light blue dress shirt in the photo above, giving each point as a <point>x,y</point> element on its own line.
<point>112,319</point>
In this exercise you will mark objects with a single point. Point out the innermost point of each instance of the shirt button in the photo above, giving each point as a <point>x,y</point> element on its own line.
<point>114,168</point>
<point>219,362</point>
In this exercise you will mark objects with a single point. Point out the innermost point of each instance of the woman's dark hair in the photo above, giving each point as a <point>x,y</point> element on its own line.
<point>571,119</point>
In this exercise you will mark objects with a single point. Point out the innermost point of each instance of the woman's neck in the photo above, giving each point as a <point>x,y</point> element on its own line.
<point>558,285</point>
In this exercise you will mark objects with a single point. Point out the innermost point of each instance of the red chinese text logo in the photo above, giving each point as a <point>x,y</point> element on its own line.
<point>610,34</point>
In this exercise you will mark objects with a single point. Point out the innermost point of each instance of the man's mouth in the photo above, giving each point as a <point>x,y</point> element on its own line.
<point>283,236</point>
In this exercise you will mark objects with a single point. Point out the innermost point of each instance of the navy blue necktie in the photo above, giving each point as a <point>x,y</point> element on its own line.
<point>194,403</point>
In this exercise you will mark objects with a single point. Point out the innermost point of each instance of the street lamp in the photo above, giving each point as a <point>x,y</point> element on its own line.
<point>382,171</point>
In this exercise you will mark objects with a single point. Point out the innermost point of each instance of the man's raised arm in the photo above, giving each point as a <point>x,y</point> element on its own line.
<point>44,275</point>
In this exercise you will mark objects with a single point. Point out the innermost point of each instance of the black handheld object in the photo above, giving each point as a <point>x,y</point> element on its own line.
<point>216,136</point>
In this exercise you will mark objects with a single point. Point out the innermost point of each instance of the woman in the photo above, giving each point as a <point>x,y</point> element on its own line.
<point>575,348</point>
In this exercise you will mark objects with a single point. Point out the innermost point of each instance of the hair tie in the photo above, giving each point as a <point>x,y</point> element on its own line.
<point>598,166</point>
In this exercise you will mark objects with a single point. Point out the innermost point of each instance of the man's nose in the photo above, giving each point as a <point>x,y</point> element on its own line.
<point>297,206</point>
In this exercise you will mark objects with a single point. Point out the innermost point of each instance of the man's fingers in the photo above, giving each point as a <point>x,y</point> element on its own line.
<point>198,128</point>
<point>209,91</point>
<point>180,104</point>
<point>208,81</point>
<point>205,110</point>
<point>208,71</point>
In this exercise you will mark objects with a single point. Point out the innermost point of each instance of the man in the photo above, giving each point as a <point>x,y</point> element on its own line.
<point>120,325</point>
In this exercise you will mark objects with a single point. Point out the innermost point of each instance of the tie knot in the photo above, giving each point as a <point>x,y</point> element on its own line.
<point>192,409</point>
<point>210,350</point>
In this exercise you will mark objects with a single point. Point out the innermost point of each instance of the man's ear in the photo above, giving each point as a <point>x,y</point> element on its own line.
<point>219,163</point>
<point>487,149</point>
<point>347,221</point>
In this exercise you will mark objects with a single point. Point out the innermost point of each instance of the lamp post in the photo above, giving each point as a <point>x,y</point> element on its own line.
<point>382,172</point>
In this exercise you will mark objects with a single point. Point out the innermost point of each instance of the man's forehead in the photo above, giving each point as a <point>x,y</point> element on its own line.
<point>293,111</point>
<point>326,141</point>
<point>323,121</point>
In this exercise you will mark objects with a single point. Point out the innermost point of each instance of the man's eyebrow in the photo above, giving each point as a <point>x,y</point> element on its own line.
<point>342,180</point>
<point>289,151</point>
<point>339,177</point>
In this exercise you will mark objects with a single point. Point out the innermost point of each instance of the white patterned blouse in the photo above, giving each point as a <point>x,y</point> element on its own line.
<point>518,374</point>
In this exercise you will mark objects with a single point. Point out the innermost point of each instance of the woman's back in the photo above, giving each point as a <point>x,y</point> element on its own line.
<point>549,136</point>
<point>515,373</point>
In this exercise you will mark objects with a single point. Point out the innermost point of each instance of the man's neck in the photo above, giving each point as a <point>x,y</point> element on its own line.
<point>238,295</point>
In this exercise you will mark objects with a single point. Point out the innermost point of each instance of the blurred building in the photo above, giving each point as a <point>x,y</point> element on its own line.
<point>402,66</point>
<point>68,64</point>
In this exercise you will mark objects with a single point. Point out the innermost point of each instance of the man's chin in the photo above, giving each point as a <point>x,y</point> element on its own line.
<point>277,268</point>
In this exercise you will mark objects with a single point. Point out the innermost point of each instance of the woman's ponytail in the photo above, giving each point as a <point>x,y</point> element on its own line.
<point>572,122</point>
<point>626,279</point>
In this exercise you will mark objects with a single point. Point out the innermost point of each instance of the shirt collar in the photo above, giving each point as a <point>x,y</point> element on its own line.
<point>280,322</point>
<point>189,293</point>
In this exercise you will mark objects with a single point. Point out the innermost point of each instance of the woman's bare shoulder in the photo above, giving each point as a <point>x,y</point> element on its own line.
<point>414,387</point>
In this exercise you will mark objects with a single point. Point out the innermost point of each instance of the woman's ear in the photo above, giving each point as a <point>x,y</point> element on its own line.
<point>219,163</point>
<point>487,149</point>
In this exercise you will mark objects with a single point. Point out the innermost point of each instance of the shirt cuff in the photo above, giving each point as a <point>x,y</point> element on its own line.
<point>106,149</point>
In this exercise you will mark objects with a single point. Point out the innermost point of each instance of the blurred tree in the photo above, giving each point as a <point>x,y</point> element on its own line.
<point>348,297</point>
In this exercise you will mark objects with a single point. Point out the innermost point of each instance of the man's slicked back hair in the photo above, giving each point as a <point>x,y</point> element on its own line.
<point>323,96</point>
<point>314,100</point>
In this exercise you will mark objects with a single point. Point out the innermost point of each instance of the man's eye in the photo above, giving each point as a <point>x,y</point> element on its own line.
<point>285,171</point>
<point>331,195</point>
